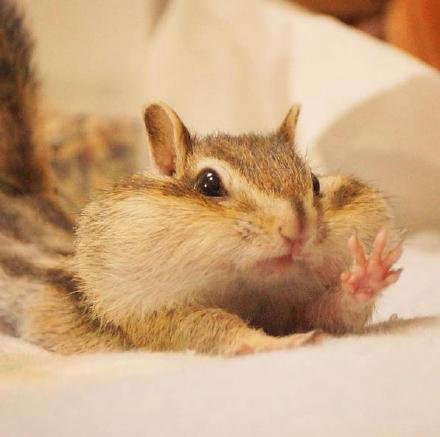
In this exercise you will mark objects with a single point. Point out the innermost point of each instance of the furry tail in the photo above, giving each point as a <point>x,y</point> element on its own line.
<point>23,163</point>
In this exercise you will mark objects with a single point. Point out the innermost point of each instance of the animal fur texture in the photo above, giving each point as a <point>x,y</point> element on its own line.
<point>159,263</point>
<point>50,165</point>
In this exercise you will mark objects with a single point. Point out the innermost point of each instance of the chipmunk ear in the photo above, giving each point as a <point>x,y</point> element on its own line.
<point>288,127</point>
<point>169,139</point>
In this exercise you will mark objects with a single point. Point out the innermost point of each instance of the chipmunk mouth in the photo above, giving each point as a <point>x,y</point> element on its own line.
<point>278,264</point>
<point>280,261</point>
<point>275,267</point>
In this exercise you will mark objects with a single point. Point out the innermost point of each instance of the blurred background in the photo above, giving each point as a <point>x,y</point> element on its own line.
<point>364,71</point>
<point>99,46</point>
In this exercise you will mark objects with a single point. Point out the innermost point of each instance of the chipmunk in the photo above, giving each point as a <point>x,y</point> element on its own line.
<point>227,245</point>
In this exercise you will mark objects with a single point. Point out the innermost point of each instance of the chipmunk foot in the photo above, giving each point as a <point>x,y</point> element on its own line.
<point>371,274</point>
<point>268,343</point>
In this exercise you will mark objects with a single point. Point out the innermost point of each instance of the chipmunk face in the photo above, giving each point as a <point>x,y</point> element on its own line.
<point>219,210</point>
<point>270,204</point>
<point>257,186</point>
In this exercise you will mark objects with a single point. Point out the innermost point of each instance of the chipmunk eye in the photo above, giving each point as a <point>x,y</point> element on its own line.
<point>210,184</point>
<point>316,185</point>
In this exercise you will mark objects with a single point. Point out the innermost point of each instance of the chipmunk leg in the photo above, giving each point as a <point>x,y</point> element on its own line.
<point>348,307</point>
<point>211,331</point>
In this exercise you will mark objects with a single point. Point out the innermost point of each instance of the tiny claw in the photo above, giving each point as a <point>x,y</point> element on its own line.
<point>346,282</point>
<point>393,256</point>
<point>345,276</point>
<point>356,248</point>
<point>379,244</point>
<point>392,277</point>
<point>352,240</point>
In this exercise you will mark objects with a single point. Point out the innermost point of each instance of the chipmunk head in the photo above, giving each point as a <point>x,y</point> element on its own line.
<point>216,209</point>
<point>257,184</point>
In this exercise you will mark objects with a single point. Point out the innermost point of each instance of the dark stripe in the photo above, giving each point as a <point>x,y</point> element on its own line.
<point>11,224</point>
<point>20,227</point>
<point>62,279</point>
<point>321,225</point>
<point>51,210</point>
<point>300,214</point>
<point>7,327</point>
<point>9,188</point>
<point>18,267</point>
<point>66,283</point>
<point>345,194</point>
<point>88,316</point>
<point>18,103</point>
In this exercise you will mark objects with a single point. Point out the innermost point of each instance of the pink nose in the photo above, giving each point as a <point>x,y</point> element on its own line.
<point>293,228</point>
<point>296,244</point>
<point>296,240</point>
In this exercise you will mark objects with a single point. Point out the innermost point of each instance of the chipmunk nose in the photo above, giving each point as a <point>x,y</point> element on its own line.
<point>293,229</point>
<point>295,237</point>
<point>289,230</point>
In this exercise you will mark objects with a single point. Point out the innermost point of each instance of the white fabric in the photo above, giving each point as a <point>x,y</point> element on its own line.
<point>367,109</point>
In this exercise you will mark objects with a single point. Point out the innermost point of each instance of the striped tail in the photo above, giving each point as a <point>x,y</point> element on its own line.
<point>23,163</point>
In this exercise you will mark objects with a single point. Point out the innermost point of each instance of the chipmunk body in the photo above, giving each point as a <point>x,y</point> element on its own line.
<point>229,244</point>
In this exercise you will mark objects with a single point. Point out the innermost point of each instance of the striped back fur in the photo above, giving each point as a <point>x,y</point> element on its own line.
<point>35,231</point>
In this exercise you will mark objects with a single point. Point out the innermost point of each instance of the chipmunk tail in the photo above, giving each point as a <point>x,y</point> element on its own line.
<point>23,160</point>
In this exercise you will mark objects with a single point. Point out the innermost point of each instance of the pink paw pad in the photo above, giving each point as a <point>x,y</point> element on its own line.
<point>370,275</point>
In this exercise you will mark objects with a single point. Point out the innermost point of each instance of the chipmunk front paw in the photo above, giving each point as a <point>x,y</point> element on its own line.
<point>267,343</point>
<point>370,275</point>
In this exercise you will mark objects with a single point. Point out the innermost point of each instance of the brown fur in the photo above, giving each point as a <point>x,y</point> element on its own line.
<point>163,125</point>
<point>347,193</point>
<point>35,231</point>
<point>22,160</point>
<point>84,323</point>
<point>32,250</point>
<point>158,265</point>
<point>206,330</point>
<point>255,156</point>
<point>64,327</point>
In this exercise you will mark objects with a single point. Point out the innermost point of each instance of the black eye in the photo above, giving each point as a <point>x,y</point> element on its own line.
<point>210,184</point>
<point>316,185</point>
